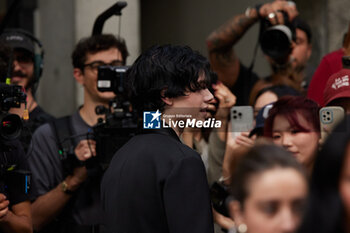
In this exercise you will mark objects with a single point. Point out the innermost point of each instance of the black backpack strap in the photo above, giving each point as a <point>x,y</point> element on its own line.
<point>63,131</point>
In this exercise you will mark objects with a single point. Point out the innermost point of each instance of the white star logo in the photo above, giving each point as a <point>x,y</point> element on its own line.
<point>155,115</point>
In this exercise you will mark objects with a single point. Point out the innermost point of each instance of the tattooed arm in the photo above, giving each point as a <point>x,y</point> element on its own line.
<point>220,46</point>
<point>220,42</point>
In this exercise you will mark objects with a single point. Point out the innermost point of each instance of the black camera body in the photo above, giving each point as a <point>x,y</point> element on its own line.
<point>276,40</point>
<point>11,96</point>
<point>14,182</point>
<point>110,136</point>
<point>120,122</point>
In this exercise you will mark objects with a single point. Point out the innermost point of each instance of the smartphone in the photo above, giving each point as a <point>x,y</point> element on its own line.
<point>330,116</point>
<point>242,118</point>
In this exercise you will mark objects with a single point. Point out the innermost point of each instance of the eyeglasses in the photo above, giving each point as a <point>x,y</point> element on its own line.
<point>95,64</point>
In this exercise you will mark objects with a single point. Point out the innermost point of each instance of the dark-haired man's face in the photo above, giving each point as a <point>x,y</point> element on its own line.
<point>23,68</point>
<point>90,73</point>
<point>193,104</point>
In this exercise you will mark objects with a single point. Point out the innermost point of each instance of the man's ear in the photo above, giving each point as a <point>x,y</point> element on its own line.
<point>78,75</point>
<point>236,212</point>
<point>166,100</point>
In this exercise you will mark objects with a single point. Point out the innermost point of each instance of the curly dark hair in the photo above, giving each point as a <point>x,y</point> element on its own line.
<point>95,44</point>
<point>166,71</point>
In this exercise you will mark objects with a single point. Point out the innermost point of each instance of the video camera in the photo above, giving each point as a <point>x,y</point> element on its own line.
<point>11,96</point>
<point>120,121</point>
<point>276,40</point>
<point>12,180</point>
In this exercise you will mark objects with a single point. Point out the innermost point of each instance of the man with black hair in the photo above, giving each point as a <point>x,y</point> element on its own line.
<point>155,183</point>
<point>26,73</point>
<point>243,82</point>
<point>68,196</point>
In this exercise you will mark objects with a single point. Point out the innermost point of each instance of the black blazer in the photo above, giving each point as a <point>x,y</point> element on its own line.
<point>156,184</point>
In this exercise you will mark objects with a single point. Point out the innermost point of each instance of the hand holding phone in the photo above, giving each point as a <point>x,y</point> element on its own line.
<point>330,116</point>
<point>242,118</point>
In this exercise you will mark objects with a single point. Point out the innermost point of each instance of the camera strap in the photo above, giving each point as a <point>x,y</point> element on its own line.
<point>63,131</point>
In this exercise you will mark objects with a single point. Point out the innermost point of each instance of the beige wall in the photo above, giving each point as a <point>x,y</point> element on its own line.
<point>54,27</point>
<point>338,19</point>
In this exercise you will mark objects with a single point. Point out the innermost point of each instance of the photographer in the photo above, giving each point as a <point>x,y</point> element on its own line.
<point>15,212</point>
<point>238,77</point>
<point>68,197</point>
<point>27,69</point>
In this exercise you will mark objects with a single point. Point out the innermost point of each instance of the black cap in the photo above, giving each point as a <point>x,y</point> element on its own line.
<point>17,40</point>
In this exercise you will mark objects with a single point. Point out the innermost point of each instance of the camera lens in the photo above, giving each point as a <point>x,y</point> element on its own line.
<point>276,43</point>
<point>10,126</point>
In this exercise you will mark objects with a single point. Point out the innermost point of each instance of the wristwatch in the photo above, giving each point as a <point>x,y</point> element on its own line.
<point>65,188</point>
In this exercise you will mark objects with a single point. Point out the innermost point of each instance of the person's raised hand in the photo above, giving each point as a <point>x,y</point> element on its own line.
<point>273,11</point>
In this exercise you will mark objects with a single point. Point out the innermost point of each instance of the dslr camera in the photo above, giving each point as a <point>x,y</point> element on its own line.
<point>276,40</point>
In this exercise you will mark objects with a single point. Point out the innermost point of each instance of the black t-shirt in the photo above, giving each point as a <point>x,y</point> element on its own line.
<point>14,172</point>
<point>244,85</point>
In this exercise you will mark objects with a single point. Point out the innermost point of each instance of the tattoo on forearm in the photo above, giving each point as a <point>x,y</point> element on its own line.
<point>228,34</point>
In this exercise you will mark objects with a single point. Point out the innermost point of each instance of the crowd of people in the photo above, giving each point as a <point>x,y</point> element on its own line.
<point>289,172</point>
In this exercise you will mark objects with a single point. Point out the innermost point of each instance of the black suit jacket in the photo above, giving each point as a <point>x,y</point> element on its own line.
<point>156,184</point>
